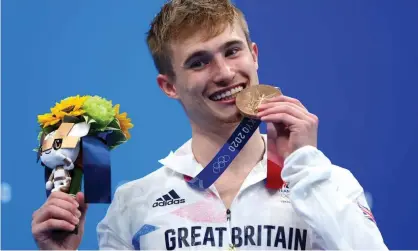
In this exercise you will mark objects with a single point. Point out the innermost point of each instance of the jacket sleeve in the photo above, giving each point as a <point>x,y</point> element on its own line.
<point>331,201</point>
<point>112,230</point>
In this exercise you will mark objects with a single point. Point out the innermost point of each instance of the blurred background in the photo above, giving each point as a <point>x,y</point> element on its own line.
<point>352,63</point>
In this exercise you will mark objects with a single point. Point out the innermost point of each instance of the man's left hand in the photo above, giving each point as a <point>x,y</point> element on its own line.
<point>289,124</point>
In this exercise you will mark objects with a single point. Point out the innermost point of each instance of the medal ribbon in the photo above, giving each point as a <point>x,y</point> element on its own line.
<point>229,151</point>
<point>226,155</point>
<point>274,174</point>
<point>96,167</point>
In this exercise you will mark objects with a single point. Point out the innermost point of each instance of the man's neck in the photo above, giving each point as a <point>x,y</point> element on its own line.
<point>206,144</point>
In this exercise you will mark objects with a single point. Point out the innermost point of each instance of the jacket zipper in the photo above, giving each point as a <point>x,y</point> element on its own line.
<point>229,229</point>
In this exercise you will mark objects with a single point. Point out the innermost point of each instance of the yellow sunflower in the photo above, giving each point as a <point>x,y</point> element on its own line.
<point>47,119</point>
<point>71,106</point>
<point>124,121</point>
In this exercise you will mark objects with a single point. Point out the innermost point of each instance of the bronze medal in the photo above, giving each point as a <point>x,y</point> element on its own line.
<point>251,97</point>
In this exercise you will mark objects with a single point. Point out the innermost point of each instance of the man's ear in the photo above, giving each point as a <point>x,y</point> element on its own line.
<point>254,52</point>
<point>166,84</point>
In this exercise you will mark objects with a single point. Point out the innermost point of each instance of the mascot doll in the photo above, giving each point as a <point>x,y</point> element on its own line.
<point>59,151</point>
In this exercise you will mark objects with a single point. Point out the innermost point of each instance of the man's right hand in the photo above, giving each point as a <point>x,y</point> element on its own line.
<point>53,223</point>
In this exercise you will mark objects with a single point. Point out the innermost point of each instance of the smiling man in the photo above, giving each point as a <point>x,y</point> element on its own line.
<point>204,56</point>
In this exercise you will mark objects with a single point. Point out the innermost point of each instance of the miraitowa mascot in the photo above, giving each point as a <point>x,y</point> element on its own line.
<point>59,151</point>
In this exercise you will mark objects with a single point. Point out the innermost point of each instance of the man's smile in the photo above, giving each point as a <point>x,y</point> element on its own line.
<point>227,94</point>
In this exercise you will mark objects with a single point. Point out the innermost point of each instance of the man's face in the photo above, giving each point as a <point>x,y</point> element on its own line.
<point>208,75</point>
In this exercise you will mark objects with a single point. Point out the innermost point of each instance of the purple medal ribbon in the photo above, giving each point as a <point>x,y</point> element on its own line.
<point>226,155</point>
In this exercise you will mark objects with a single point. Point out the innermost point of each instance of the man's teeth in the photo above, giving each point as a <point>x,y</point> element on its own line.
<point>228,94</point>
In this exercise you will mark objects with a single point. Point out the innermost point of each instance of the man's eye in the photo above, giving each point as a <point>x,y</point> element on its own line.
<point>198,64</point>
<point>232,51</point>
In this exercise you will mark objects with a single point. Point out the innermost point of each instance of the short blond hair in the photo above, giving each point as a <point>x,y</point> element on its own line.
<point>179,19</point>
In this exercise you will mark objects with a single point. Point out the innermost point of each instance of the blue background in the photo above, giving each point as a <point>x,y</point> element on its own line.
<point>353,63</point>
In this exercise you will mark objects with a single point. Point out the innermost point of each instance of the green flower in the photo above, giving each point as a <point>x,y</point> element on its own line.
<point>100,110</point>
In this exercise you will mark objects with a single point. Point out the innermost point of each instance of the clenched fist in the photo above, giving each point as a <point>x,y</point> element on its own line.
<point>58,216</point>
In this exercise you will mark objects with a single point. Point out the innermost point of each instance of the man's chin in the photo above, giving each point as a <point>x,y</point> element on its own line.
<point>234,119</point>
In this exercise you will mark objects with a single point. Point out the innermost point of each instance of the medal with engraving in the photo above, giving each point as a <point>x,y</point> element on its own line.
<point>248,100</point>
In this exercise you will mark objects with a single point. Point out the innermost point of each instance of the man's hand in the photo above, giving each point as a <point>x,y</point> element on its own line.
<point>58,216</point>
<point>289,124</point>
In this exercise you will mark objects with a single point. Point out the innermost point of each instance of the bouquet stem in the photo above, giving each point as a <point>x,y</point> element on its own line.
<point>75,186</point>
<point>76,179</point>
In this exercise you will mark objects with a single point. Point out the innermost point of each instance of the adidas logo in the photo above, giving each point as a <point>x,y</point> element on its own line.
<point>168,199</point>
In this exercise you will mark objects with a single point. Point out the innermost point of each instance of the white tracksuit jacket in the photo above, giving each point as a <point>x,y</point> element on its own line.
<point>323,207</point>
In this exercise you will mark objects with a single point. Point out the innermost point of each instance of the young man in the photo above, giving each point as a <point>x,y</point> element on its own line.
<point>204,56</point>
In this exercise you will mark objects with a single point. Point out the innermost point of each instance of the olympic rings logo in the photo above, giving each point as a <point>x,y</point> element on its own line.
<point>220,163</point>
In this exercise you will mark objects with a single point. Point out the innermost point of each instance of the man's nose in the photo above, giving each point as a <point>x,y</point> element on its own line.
<point>223,72</point>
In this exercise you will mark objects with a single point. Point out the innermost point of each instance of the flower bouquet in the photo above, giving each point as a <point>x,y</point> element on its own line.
<point>75,140</point>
